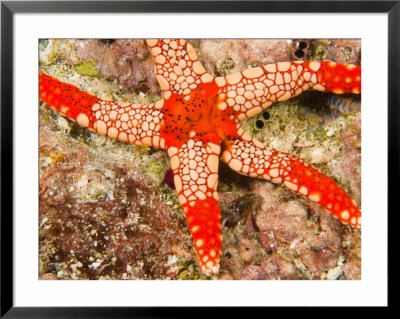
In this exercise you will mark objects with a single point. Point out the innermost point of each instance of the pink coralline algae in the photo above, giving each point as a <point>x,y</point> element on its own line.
<point>224,57</point>
<point>106,212</point>
<point>128,61</point>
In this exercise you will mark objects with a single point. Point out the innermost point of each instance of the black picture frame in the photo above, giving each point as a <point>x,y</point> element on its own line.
<point>9,8</point>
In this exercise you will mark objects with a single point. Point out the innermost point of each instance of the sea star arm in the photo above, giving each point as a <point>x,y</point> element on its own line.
<point>127,122</point>
<point>195,168</point>
<point>177,67</point>
<point>251,91</point>
<point>248,156</point>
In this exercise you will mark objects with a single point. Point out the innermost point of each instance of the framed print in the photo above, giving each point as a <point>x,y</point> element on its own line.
<point>155,148</point>
<point>194,116</point>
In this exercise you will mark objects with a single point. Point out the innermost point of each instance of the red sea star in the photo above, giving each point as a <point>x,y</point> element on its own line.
<point>197,122</point>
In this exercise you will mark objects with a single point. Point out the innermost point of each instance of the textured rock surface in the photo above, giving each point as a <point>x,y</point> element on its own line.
<point>105,211</point>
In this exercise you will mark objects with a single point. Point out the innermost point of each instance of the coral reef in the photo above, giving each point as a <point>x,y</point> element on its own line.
<point>106,211</point>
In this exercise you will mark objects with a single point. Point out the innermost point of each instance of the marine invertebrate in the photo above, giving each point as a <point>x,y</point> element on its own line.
<point>197,121</point>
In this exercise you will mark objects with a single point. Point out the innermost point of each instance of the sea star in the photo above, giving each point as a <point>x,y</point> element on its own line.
<point>197,123</point>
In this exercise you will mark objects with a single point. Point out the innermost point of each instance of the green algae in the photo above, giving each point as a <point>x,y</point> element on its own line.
<point>44,42</point>
<point>349,117</point>
<point>320,134</point>
<point>88,68</point>
<point>188,270</point>
<point>156,168</point>
<point>319,51</point>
